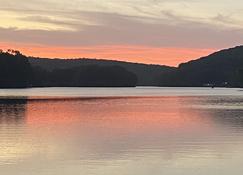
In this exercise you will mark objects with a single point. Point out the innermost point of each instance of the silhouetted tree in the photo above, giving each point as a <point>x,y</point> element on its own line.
<point>15,70</point>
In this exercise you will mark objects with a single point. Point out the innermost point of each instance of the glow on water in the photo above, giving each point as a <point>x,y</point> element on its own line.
<point>146,134</point>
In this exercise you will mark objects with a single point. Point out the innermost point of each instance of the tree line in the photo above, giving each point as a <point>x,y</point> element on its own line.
<point>222,69</point>
<point>17,72</point>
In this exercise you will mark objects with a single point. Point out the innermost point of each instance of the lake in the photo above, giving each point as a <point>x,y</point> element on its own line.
<point>121,131</point>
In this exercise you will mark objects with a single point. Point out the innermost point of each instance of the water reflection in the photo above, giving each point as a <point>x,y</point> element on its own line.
<point>171,135</point>
<point>223,110</point>
<point>12,122</point>
<point>13,111</point>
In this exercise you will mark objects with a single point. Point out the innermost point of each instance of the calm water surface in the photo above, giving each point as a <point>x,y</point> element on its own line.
<point>121,131</point>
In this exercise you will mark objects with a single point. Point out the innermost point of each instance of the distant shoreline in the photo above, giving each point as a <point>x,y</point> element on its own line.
<point>89,94</point>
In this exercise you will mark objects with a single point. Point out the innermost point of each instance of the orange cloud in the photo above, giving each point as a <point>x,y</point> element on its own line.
<point>142,54</point>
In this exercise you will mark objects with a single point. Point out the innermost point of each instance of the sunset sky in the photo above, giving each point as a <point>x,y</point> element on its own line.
<point>150,31</point>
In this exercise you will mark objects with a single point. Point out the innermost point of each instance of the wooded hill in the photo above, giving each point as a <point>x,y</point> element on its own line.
<point>223,68</point>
